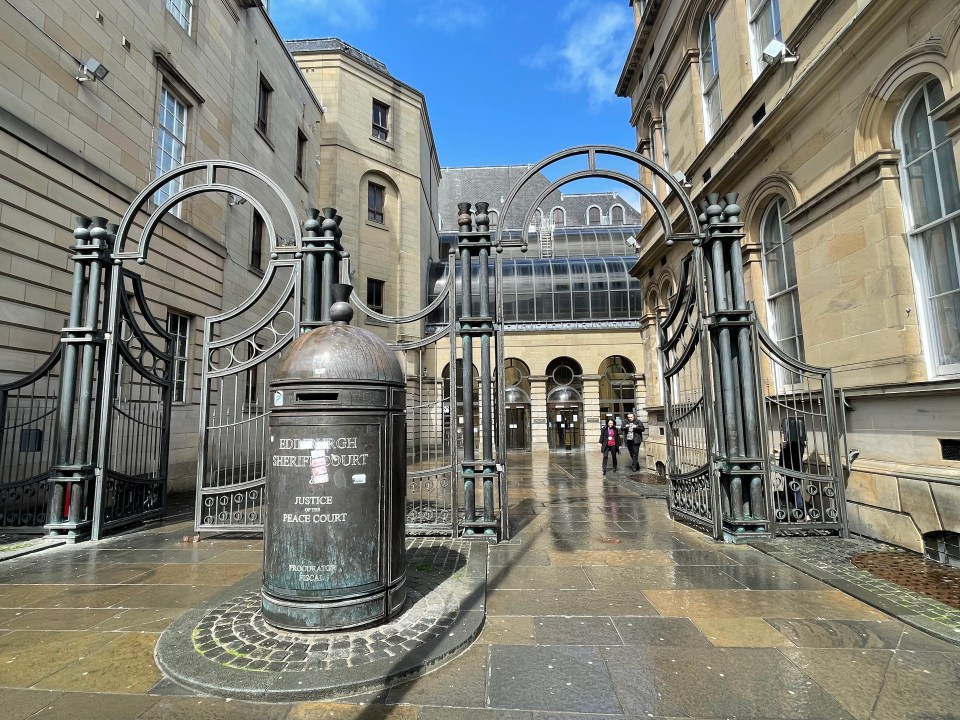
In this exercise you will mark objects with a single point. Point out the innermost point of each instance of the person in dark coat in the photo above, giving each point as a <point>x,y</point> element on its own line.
<point>609,443</point>
<point>633,435</point>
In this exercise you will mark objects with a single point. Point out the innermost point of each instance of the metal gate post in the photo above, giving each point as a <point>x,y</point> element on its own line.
<point>741,465</point>
<point>469,325</point>
<point>82,338</point>
<point>321,265</point>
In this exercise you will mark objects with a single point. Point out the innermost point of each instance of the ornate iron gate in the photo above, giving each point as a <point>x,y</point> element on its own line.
<point>806,472</point>
<point>753,439</point>
<point>28,413</point>
<point>690,438</point>
<point>235,406</point>
<point>134,424</point>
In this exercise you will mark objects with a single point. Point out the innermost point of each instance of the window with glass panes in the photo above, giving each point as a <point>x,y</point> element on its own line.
<point>256,242</point>
<point>375,294</point>
<point>931,195</point>
<point>301,149</point>
<point>780,276</point>
<point>263,105</point>
<point>381,116</point>
<point>375,194</point>
<point>710,76</point>
<point>593,216</point>
<point>764,27</point>
<point>171,143</point>
<point>182,11</point>
<point>616,215</point>
<point>558,217</point>
<point>179,328</point>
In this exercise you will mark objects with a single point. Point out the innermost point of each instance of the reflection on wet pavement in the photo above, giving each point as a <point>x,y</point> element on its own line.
<point>599,606</point>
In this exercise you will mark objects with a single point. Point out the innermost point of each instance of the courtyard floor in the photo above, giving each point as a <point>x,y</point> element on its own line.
<point>599,607</point>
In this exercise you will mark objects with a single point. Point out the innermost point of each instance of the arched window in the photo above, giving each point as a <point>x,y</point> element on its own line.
<point>559,219</point>
<point>780,277</point>
<point>616,215</point>
<point>538,217</point>
<point>494,217</point>
<point>593,216</point>
<point>710,76</point>
<point>931,196</point>
<point>764,27</point>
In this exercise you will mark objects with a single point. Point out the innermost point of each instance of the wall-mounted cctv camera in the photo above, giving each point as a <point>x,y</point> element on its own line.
<point>776,51</point>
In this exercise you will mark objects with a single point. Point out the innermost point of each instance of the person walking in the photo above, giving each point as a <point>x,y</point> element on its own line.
<point>609,443</point>
<point>633,435</point>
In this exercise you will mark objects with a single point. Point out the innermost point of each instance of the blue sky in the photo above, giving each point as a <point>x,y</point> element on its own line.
<point>506,81</point>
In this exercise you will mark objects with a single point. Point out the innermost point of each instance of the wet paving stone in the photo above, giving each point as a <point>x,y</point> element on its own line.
<point>659,631</point>
<point>567,679</point>
<point>727,682</point>
<point>576,631</point>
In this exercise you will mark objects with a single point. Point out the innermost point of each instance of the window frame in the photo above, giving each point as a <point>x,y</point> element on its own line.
<point>301,152</point>
<point>375,287</point>
<point>182,13</point>
<point>757,11</point>
<point>785,236</point>
<point>380,130</point>
<point>949,221</point>
<point>376,212</point>
<point>180,356</point>
<point>590,216</point>
<point>710,87</point>
<point>264,93</point>
<point>176,149</point>
<point>563,217</point>
<point>256,241</point>
<point>623,215</point>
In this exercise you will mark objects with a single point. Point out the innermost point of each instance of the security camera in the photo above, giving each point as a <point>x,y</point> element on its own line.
<point>776,51</point>
<point>631,241</point>
<point>92,70</point>
<point>681,178</point>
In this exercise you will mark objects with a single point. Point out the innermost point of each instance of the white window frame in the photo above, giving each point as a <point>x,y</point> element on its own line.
<point>182,11</point>
<point>623,215</point>
<point>178,325</point>
<point>930,337</point>
<point>171,150</point>
<point>599,216</point>
<point>779,205</point>
<point>710,78</point>
<point>758,11</point>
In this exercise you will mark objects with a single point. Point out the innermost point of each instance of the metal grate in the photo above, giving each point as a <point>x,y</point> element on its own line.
<point>950,449</point>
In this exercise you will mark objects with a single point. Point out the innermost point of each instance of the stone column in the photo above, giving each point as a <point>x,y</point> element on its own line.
<point>538,412</point>
<point>591,408</point>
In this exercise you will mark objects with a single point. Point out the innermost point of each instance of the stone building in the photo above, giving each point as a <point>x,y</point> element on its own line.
<point>838,123</point>
<point>96,102</point>
<point>571,347</point>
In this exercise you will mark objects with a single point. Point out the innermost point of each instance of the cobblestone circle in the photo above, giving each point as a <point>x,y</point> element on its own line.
<point>236,635</point>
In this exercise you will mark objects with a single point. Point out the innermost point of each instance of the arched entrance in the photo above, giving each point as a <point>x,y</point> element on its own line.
<point>516,408</point>
<point>565,404</point>
<point>617,388</point>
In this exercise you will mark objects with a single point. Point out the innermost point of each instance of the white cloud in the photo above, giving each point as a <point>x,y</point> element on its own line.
<point>324,13</point>
<point>450,15</point>
<point>593,49</point>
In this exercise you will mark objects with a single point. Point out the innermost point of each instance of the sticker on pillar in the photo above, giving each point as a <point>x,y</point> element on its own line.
<point>318,467</point>
<point>360,479</point>
<point>278,398</point>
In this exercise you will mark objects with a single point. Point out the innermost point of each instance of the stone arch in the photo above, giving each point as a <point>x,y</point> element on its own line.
<point>875,125</point>
<point>694,19</point>
<point>652,299</point>
<point>392,205</point>
<point>777,184</point>
<point>667,286</point>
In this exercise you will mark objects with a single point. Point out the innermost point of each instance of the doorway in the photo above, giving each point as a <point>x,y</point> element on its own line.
<point>565,426</point>
<point>518,427</point>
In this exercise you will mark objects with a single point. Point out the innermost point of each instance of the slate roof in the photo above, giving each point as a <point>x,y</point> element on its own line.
<point>493,184</point>
<point>321,45</point>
